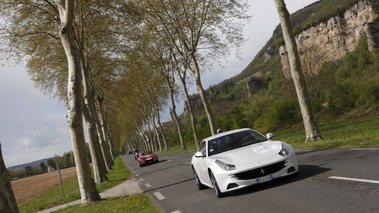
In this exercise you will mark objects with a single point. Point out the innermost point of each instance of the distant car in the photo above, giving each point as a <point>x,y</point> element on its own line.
<point>147,157</point>
<point>239,158</point>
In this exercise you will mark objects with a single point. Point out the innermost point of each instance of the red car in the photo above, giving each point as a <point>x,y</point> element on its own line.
<point>147,157</point>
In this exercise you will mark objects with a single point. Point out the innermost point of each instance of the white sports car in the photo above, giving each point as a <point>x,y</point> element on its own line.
<point>239,158</point>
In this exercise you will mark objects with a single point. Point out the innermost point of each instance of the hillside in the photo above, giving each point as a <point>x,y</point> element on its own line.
<point>301,20</point>
<point>32,164</point>
<point>262,96</point>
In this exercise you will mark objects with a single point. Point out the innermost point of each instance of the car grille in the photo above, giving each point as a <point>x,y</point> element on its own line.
<point>262,171</point>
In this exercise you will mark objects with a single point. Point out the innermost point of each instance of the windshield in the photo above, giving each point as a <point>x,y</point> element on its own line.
<point>234,141</point>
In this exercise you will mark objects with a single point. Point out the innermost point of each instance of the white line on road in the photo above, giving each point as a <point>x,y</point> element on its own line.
<point>141,179</point>
<point>355,179</point>
<point>137,175</point>
<point>176,211</point>
<point>147,185</point>
<point>159,195</point>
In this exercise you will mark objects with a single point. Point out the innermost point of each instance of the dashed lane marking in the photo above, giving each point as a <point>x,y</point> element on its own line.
<point>355,179</point>
<point>147,185</point>
<point>176,211</point>
<point>141,179</point>
<point>159,196</point>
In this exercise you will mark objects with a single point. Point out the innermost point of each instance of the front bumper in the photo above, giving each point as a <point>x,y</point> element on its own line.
<point>266,171</point>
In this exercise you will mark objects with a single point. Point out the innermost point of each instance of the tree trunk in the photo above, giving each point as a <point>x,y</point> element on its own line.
<point>89,115</point>
<point>87,185</point>
<point>103,130</point>
<point>180,131</point>
<point>102,138</point>
<point>200,89</point>
<point>192,115</point>
<point>162,131</point>
<point>310,124</point>
<point>8,202</point>
<point>176,119</point>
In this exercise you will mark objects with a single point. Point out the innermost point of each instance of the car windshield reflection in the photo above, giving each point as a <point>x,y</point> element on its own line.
<point>234,141</point>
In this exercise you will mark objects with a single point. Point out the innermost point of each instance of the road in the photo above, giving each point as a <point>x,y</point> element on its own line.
<point>333,180</point>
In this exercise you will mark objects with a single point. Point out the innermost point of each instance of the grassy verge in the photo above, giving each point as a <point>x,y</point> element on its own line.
<point>140,203</point>
<point>54,197</point>
<point>360,132</point>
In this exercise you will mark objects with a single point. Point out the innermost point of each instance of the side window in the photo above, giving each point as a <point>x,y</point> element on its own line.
<point>202,148</point>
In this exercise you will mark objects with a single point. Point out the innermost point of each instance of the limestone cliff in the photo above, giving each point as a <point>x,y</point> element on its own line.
<point>335,38</point>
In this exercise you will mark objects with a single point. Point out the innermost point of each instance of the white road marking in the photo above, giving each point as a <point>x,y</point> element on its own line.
<point>147,185</point>
<point>355,179</point>
<point>159,196</point>
<point>141,179</point>
<point>176,211</point>
<point>363,149</point>
<point>137,175</point>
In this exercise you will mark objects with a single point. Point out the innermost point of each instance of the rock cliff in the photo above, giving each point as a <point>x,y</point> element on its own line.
<point>334,39</point>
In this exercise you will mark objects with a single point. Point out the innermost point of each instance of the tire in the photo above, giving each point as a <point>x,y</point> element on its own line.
<point>216,190</point>
<point>199,185</point>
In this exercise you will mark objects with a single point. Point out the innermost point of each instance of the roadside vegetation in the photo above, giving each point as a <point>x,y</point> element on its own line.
<point>54,197</point>
<point>136,203</point>
<point>344,133</point>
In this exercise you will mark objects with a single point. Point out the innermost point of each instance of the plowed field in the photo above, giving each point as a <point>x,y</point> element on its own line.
<point>26,188</point>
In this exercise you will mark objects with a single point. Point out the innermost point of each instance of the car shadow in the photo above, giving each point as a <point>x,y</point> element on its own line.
<point>305,171</point>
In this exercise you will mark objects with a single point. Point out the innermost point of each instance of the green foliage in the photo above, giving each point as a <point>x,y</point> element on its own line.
<point>278,115</point>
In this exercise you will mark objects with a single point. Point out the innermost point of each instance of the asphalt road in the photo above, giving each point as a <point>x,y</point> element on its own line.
<point>335,180</point>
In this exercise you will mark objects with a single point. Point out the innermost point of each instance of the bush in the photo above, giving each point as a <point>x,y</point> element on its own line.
<point>281,114</point>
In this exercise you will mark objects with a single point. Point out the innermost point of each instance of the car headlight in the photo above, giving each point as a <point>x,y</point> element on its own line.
<point>285,151</point>
<point>224,166</point>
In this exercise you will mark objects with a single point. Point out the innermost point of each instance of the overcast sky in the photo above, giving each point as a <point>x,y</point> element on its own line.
<point>34,126</point>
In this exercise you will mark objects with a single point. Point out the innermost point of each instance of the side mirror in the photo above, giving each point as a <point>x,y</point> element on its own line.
<point>269,135</point>
<point>199,155</point>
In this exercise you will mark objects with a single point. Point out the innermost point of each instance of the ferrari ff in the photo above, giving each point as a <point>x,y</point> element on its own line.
<point>239,158</point>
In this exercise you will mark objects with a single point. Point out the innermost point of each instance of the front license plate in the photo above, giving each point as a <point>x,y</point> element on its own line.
<point>264,179</point>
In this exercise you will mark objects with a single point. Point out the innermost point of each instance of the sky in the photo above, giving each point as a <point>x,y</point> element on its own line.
<point>33,125</point>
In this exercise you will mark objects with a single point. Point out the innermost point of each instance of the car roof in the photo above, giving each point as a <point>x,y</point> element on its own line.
<point>225,133</point>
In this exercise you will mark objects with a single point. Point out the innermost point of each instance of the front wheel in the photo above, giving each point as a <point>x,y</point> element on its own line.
<point>199,185</point>
<point>215,186</point>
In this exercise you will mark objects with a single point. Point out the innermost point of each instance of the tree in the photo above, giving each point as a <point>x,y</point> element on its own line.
<point>8,202</point>
<point>51,163</point>
<point>28,170</point>
<point>202,30</point>
<point>310,124</point>
<point>43,166</point>
<point>67,35</point>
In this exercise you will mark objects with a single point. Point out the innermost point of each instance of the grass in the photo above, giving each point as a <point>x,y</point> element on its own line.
<point>359,132</point>
<point>54,197</point>
<point>136,203</point>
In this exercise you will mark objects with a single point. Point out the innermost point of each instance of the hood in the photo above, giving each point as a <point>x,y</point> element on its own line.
<point>251,153</point>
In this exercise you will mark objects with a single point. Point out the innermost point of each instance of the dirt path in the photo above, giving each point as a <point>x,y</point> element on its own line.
<point>26,188</point>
